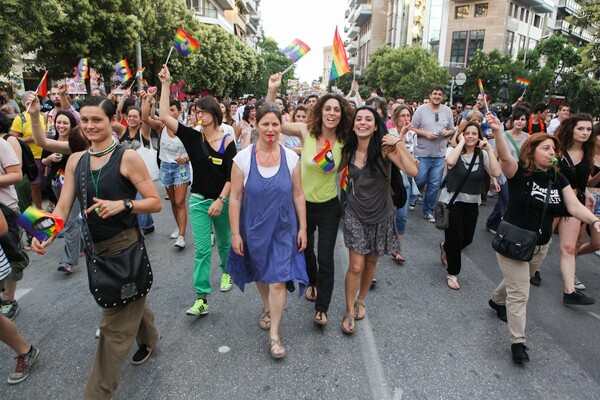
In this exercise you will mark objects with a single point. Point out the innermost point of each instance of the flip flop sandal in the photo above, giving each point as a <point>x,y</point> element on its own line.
<point>265,321</point>
<point>398,258</point>
<point>276,343</point>
<point>350,327</point>
<point>313,293</point>
<point>452,281</point>
<point>318,318</point>
<point>358,304</point>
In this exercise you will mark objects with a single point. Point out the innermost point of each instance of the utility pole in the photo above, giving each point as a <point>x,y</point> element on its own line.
<point>138,61</point>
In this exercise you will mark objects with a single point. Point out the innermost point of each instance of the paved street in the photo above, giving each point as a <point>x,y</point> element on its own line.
<point>420,340</point>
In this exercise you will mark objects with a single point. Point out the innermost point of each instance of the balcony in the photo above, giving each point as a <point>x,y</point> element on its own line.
<point>225,4</point>
<point>212,16</point>
<point>255,17</point>
<point>252,27</point>
<point>540,6</point>
<point>562,26</point>
<point>351,48</point>
<point>353,32</point>
<point>361,14</point>
<point>251,6</point>
<point>571,6</point>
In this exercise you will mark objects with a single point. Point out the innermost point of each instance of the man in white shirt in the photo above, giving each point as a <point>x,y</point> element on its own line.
<point>564,112</point>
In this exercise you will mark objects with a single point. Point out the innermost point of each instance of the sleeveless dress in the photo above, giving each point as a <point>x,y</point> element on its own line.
<point>269,228</point>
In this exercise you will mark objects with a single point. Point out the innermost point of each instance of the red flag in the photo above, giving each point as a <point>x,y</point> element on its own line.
<point>42,89</point>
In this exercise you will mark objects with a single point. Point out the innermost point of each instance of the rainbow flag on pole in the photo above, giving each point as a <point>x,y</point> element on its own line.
<point>82,68</point>
<point>325,158</point>
<point>522,83</point>
<point>122,70</point>
<point>184,43</point>
<point>296,50</point>
<point>42,89</point>
<point>339,64</point>
<point>40,224</point>
<point>483,94</point>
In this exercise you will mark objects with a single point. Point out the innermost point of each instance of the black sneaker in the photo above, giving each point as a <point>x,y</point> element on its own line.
<point>373,284</point>
<point>500,310</point>
<point>519,353</point>
<point>9,309</point>
<point>536,279</point>
<point>24,364</point>
<point>148,231</point>
<point>141,356</point>
<point>577,298</point>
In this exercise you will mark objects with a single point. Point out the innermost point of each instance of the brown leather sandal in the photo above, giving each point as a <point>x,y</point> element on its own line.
<point>265,321</point>
<point>349,328</point>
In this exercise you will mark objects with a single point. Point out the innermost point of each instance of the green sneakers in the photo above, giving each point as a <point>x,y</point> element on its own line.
<point>200,307</point>
<point>226,282</point>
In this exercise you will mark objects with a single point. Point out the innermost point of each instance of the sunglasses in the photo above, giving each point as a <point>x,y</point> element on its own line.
<point>437,117</point>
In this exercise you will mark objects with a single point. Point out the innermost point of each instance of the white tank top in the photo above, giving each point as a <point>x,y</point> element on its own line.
<point>171,148</point>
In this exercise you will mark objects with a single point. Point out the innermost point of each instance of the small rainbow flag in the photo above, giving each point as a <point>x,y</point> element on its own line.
<point>325,158</point>
<point>483,94</point>
<point>339,63</point>
<point>184,43</point>
<point>60,177</point>
<point>40,224</point>
<point>296,50</point>
<point>122,70</point>
<point>82,68</point>
<point>139,73</point>
<point>345,180</point>
<point>522,83</point>
<point>42,89</point>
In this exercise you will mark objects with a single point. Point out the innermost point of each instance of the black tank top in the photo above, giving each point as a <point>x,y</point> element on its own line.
<point>596,171</point>
<point>577,175</point>
<point>111,186</point>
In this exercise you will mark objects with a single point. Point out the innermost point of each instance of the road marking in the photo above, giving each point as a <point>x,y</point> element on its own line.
<point>372,363</point>
<point>594,315</point>
<point>21,292</point>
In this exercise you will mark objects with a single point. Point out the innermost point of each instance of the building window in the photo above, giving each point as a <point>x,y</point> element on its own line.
<point>522,14</point>
<point>537,21</point>
<point>516,12</point>
<point>461,12</point>
<point>481,10</point>
<point>508,45</point>
<point>521,42</point>
<point>459,47</point>
<point>475,42</point>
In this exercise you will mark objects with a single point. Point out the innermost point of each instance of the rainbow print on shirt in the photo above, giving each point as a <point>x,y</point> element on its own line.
<point>345,180</point>
<point>324,159</point>
<point>40,224</point>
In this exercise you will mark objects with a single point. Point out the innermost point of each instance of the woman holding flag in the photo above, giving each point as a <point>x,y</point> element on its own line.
<point>323,136</point>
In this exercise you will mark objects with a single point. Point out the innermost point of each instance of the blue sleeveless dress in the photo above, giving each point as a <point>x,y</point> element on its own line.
<point>269,228</point>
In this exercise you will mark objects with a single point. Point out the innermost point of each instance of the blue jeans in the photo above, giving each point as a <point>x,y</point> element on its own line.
<point>145,221</point>
<point>401,213</point>
<point>431,173</point>
<point>500,209</point>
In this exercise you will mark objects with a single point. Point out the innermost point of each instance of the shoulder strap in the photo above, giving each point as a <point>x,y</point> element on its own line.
<point>84,164</point>
<point>464,179</point>
<point>546,205</point>
<point>567,157</point>
<point>512,141</point>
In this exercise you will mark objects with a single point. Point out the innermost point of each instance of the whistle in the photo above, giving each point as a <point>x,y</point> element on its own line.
<point>554,160</point>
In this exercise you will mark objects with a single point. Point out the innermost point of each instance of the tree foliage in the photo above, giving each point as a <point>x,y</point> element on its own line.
<point>589,16</point>
<point>409,72</point>
<point>274,61</point>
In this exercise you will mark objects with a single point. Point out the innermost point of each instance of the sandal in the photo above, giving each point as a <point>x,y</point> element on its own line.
<point>313,293</point>
<point>443,258</point>
<point>357,305</point>
<point>318,318</point>
<point>350,327</point>
<point>398,258</point>
<point>276,345</point>
<point>265,321</point>
<point>452,281</point>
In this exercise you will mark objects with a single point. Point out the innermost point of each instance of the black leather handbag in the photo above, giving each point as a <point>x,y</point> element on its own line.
<point>114,280</point>
<point>518,243</point>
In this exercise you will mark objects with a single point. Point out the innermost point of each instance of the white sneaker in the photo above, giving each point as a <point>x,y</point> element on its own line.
<point>97,333</point>
<point>180,242</point>
<point>578,284</point>
<point>212,239</point>
<point>430,218</point>
<point>175,234</point>
<point>597,252</point>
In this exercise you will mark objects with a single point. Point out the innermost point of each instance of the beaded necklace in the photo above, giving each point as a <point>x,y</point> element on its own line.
<point>101,153</point>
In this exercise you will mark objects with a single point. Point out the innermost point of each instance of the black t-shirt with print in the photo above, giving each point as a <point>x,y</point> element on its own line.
<point>526,197</point>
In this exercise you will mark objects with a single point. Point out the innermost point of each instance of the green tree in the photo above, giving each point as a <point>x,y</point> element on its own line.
<point>409,72</point>
<point>589,16</point>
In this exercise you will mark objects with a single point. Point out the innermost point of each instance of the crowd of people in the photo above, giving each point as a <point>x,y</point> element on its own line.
<point>269,182</point>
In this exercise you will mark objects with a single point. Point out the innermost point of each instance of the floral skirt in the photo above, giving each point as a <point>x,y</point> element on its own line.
<point>377,239</point>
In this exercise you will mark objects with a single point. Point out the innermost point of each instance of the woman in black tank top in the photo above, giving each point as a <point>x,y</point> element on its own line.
<point>594,188</point>
<point>115,174</point>
<point>575,136</point>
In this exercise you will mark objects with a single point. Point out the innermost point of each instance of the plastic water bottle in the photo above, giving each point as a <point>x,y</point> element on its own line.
<point>183,171</point>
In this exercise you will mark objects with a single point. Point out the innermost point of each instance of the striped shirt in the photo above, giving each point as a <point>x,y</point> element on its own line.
<point>4,265</point>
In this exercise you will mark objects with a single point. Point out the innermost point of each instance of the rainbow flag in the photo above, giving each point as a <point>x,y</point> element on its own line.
<point>487,109</point>
<point>60,177</point>
<point>325,158</point>
<point>40,224</point>
<point>522,83</point>
<point>82,68</point>
<point>139,73</point>
<point>184,43</point>
<point>339,64</point>
<point>345,180</point>
<point>296,50</point>
<point>42,89</point>
<point>122,70</point>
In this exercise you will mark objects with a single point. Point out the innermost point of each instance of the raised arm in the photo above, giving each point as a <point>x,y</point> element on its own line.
<point>395,150</point>
<point>39,136</point>
<point>146,109</point>
<point>274,84</point>
<point>454,155</point>
<point>508,164</point>
<point>493,168</point>
<point>165,79</point>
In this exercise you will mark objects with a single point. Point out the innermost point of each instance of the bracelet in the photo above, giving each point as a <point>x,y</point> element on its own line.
<point>594,223</point>
<point>399,140</point>
<point>35,126</point>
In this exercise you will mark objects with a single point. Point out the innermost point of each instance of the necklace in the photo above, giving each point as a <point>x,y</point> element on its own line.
<point>269,156</point>
<point>104,152</point>
<point>96,182</point>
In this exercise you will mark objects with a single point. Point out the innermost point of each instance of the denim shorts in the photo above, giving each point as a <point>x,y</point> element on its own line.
<point>597,207</point>
<point>173,174</point>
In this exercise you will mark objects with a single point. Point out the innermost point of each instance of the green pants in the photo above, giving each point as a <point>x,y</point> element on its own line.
<point>201,228</point>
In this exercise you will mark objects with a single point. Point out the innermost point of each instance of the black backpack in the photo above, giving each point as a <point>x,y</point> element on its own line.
<point>398,191</point>
<point>28,166</point>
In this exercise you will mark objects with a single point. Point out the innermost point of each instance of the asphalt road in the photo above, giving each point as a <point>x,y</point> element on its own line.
<point>420,340</point>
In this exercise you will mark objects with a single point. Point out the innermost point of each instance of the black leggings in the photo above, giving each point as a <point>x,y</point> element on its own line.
<point>460,232</point>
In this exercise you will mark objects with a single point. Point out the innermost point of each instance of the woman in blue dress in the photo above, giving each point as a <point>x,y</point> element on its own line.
<point>267,215</point>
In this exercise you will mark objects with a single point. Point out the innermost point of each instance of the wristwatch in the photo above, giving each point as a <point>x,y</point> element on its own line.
<point>128,205</point>
<point>223,199</point>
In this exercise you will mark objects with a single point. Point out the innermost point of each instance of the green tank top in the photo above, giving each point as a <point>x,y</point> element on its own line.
<point>319,186</point>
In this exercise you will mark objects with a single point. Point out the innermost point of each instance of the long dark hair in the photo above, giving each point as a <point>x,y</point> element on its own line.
<point>211,106</point>
<point>477,150</point>
<point>315,117</point>
<point>374,150</point>
<point>69,115</point>
<point>246,114</point>
<point>564,134</point>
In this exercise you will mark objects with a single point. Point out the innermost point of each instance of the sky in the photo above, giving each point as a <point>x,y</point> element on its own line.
<point>312,21</point>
